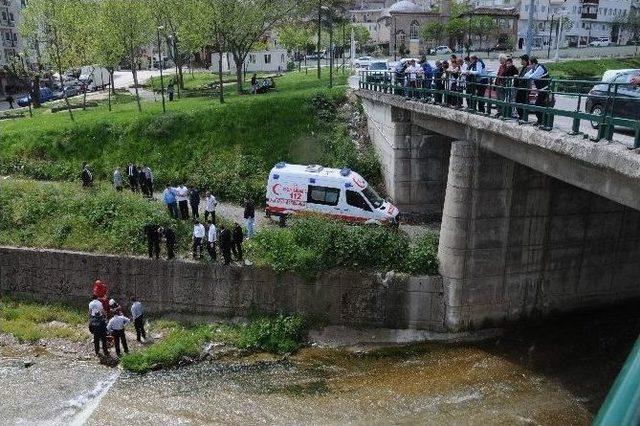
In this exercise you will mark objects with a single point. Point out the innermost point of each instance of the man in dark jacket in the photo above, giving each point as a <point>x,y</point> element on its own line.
<point>522,86</point>
<point>98,327</point>
<point>132,174</point>
<point>236,241</point>
<point>153,240</point>
<point>170,239</point>
<point>87,177</point>
<point>142,181</point>
<point>194,202</point>
<point>224,240</point>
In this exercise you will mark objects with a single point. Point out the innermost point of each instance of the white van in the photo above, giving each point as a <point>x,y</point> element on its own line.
<point>94,77</point>
<point>340,193</point>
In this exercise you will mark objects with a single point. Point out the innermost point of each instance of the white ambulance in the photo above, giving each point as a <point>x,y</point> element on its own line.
<point>341,193</point>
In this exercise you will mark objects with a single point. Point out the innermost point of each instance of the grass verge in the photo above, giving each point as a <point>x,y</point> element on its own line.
<point>589,69</point>
<point>30,322</point>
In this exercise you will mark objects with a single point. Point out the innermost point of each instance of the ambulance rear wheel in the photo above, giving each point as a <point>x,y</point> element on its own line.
<point>283,221</point>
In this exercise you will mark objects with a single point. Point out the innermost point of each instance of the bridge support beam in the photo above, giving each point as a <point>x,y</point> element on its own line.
<point>515,242</point>
<point>415,161</point>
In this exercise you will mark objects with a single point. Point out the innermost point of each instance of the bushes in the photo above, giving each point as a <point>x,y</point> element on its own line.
<point>281,334</point>
<point>589,69</point>
<point>63,215</point>
<point>312,244</point>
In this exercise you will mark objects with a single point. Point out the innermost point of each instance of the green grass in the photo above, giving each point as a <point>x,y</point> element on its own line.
<point>196,82</point>
<point>589,69</point>
<point>63,215</point>
<point>28,322</point>
<point>310,245</point>
<point>279,334</point>
<point>229,148</point>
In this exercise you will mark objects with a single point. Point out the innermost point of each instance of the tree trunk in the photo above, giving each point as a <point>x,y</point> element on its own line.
<point>238,61</point>
<point>134,72</point>
<point>220,78</point>
<point>319,35</point>
<point>111,82</point>
<point>180,80</point>
<point>35,92</point>
<point>331,54</point>
<point>109,89</point>
<point>66,100</point>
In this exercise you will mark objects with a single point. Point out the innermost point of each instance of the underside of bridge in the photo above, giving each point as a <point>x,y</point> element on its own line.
<point>515,241</point>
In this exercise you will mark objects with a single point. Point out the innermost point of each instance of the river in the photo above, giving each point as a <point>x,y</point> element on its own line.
<point>554,372</point>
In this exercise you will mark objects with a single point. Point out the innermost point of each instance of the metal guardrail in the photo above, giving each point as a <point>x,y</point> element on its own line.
<point>511,96</point>
<point>622,405</point>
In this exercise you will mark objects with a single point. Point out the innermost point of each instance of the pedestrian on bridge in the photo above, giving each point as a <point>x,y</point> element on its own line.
<point>477,79</point>
<point>540,76</point>
<point>522,87</point>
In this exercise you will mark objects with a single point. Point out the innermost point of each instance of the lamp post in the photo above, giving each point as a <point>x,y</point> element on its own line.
<point>559,40</point>
<point>530,28</point>
<point>24,68</point>
<point>164,109</point>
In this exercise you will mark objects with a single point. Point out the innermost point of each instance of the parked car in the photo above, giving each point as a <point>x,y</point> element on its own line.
<point>627,100</point>
<point>340,193</point>
<point>442,50</point>
<point>314,56</point>
<point>378,72</point>
<point>362,61</point>
<point>68,90</point>
<point>45,95</point>
<point>600,42</point>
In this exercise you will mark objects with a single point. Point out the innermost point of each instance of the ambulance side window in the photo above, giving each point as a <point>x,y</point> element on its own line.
<point>323,195</point>
<point>355,199</point>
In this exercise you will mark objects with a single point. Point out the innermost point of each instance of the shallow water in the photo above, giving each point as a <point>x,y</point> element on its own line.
<point>554,373</point>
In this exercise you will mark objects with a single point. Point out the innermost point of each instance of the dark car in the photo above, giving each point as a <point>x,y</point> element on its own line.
<point>45,95</point>
<point>378,72</point>
<point>68,90</point>
<point>625,103</point>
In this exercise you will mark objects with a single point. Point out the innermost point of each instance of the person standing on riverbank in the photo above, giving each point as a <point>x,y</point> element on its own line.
<point>182,194</point>
<point>170,239</point>
<point>137,314</point>
<point>249,216</point>
<point>98,327</point>
<point>236,241</point>
<point>210,204</point>
<point>148,178</point>
<point>212,238</point>
<point>87,177</point>
<point>198,235</point>
<point>153,240</point>
<point>170,198</point>
<point>132,175</point>
<point>194,202</point>
<point>117,180</point>
<point>225,244</point>
<point>116,328</point>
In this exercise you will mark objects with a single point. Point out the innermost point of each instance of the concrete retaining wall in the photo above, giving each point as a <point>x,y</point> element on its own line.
<point>338,296</point>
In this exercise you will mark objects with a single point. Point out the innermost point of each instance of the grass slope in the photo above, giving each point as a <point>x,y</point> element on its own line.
<point>228,148</point>
<point>589,69</point>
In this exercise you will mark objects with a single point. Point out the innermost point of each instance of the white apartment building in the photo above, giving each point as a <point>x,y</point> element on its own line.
<point>10,12</point>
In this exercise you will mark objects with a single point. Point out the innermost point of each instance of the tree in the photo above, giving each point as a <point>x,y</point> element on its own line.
<point>434,31</point>
<point>481,26</point>
<point>631,24</point>
<point>295,36</point>
<point>129,25</point>
<point>241,23</point>
<point>53,23</point>
<point>456,28</point>
<point>361,35</point>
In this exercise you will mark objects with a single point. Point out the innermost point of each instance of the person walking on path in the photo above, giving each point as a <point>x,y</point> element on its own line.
<point>212,239</point>
<point>194,202</point>
<point>137,315</point>
<point>153,240</point>
<point>236,241</point>
<point>198,235</point>
<point>169,197</point>
<point>225,244</point>
<point>249,216</point>
<point>132,175</point>
<point>98,327</point>
<point>210,204</point>
<point>87,177</point>
<point>116,328</point>
<point>148,178</point>
<point>170,239</point>
<point>9,99</point>
<point>182,194</point>
<point>118,182</point>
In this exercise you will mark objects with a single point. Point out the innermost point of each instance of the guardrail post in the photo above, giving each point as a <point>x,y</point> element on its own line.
<point>575,126</point>
<point>611,126</point>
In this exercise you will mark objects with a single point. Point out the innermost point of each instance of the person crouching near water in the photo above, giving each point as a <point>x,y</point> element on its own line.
<point>98,325</point>
<point>116,328</point>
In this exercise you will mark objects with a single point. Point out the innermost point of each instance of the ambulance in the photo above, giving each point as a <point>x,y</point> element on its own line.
<point>341,193</point>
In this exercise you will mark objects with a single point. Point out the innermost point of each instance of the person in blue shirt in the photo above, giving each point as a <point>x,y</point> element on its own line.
<point>427,79</point>
<point>540,76</point>
<point>169,198</point>
<point>477,80</point>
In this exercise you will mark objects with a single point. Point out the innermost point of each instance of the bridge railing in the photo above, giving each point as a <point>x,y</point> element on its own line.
<point>603,105</point>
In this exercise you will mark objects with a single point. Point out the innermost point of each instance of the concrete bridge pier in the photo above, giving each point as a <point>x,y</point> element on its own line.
<point>415,161</point>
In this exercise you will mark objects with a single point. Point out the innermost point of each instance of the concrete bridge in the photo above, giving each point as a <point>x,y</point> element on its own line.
<point>533,222</point>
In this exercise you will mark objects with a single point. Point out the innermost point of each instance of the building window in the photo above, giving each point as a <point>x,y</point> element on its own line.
<point>252,58</point>
<point>414,30</point>
<point>267,58</point>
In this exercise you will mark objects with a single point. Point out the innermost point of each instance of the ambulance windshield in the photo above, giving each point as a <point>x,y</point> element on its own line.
<point>373,197</point>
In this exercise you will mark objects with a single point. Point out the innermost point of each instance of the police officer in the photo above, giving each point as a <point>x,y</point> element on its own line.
<point>116,328</point>
<point>170,239</point>
<point>152,236</point>
<point>225,244</point>
<point>236,241</point>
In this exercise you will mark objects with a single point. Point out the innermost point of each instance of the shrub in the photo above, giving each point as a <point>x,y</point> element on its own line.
<point>423,257</point>
<point>280,334</point>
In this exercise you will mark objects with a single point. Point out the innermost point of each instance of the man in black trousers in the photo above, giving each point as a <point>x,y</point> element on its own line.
<point>152,236</point>
<point>170,238</point>
<point>98,327</point>
<point>194,202</point>
<point>237,237</point>
<point>132,174</point>
<point>225,244</point>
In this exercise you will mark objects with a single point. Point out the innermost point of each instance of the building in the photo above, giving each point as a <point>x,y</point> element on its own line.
<point>505,20</point>
<point>10,13</point>
<point>266,61</point>
<point>584,21</point>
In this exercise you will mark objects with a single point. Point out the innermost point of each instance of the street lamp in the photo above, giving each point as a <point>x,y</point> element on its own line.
<point>160,28</point>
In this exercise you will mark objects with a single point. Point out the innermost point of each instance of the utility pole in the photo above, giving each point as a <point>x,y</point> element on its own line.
<point>161,66</point>
<point>530,28</point>
<point>550,35</point>
<point>559,39</point>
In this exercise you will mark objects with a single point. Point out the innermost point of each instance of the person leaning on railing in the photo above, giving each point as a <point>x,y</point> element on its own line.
<point>453,73</point>
<point>427,76</point>
<point>438,74</point>
<point>477,79</point>
<point>540,76</point>
<point>522,86</point>
<point>505,72</point>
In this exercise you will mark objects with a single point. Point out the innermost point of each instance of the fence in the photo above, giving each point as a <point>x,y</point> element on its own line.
<point>604,105</point>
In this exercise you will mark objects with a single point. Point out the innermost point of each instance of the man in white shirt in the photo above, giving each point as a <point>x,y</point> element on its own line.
<point>210,204</point>
<point>182,196</point>
<point>212,238</point>
<point>137,315</point>
<point>412,72</point>
<point>148,177</point>
<point>95,307</point>
<point>116,328</point>
<point>198,234</point>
